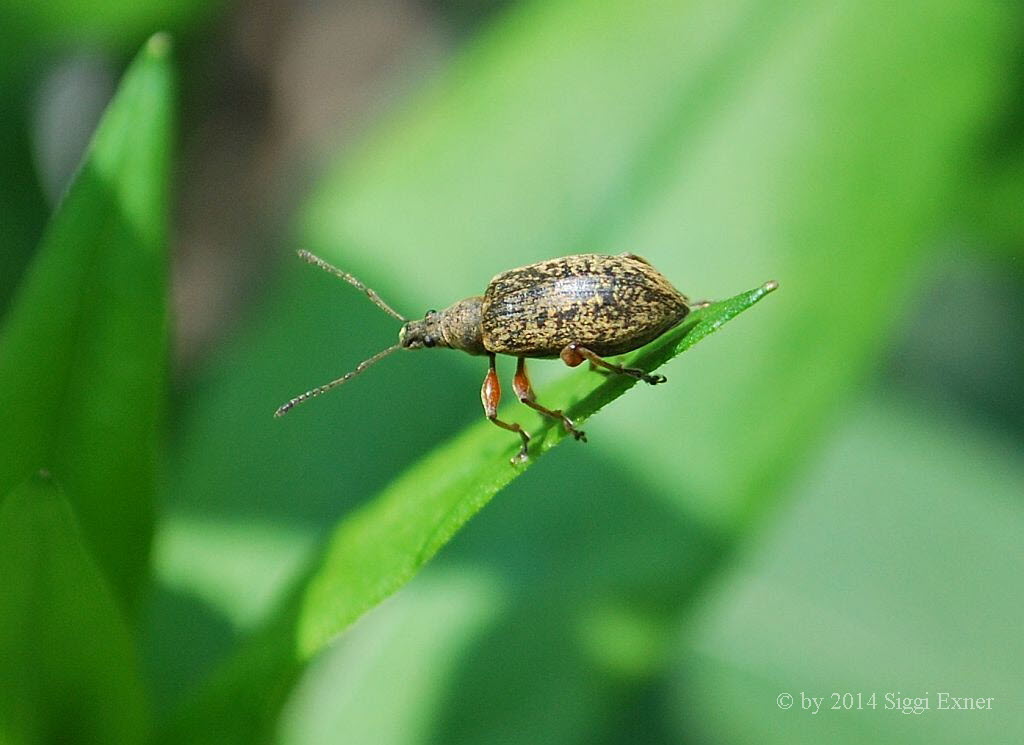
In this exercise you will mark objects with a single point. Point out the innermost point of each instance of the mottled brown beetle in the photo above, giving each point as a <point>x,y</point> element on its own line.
<point>581,307</point>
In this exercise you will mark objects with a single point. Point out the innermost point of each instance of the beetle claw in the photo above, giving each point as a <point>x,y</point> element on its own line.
<point>570,429</point>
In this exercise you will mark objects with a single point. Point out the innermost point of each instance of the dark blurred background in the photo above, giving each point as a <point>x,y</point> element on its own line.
<point>827,499</point>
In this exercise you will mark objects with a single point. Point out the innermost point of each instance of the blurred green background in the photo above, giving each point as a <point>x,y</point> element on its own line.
<point>826,498</point>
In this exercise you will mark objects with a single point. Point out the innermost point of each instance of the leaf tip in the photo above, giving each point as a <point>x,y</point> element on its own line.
<point>159,45</point>
<point>770,285</point>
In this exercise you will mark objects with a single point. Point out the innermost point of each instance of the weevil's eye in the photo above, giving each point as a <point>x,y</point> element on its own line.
<point>429,341</point>
<point>432,312</point>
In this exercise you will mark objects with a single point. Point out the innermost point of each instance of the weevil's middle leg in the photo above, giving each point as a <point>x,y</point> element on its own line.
<point>573,354</point>
<point>490,395</point>
<point>521,385</point>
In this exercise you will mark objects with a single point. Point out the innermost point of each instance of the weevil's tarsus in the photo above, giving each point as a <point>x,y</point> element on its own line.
<point>331,269</point>
<point>524,391</point>
<point>574,354</point>
<point>285,408</point>
<point>490,396</point>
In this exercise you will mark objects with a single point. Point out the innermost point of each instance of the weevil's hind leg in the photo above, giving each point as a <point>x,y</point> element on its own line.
<point>521,385</point>
<point>573,354</point>
<point>490,395</point>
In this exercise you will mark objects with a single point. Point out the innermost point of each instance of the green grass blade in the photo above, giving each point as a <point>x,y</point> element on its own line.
<point>382,545</point>
<point>68,670</point>
<point>82,352</point>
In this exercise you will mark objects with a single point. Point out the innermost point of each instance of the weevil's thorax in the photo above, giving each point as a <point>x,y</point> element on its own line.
<point>460,326</point>
<point>456,327</point>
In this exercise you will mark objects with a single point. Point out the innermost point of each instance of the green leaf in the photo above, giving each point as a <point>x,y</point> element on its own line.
<point>82,352</point>
<point>34,38</point>
<point>382,545</point>
<point>68,669</point>
<point>444,611</point>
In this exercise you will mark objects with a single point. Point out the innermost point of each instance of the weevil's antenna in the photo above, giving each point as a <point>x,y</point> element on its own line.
<point>285,408</point>
<point>317,261</point>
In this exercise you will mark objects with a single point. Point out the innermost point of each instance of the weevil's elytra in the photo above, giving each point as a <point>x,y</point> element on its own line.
<point>578,308</point>
<point>608,304</point>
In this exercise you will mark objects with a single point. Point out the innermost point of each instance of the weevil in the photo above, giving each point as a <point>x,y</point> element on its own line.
<point>579,308</point>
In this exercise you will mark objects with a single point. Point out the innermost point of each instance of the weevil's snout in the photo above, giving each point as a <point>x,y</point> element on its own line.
<point>411,335</point>
<point>422,333</point>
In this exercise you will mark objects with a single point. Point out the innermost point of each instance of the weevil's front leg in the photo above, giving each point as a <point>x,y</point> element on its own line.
<point>574,354</point>
<point>490,395</point>
<point>521,385</point>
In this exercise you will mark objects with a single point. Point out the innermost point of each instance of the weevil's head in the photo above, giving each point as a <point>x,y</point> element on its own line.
<point>426,332</point>
<point>456,327</point>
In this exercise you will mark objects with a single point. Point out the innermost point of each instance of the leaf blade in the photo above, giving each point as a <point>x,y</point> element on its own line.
<point>424,508</point>
<point>64,644</point>
<point>352,575</point>
<point>82,352</point>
